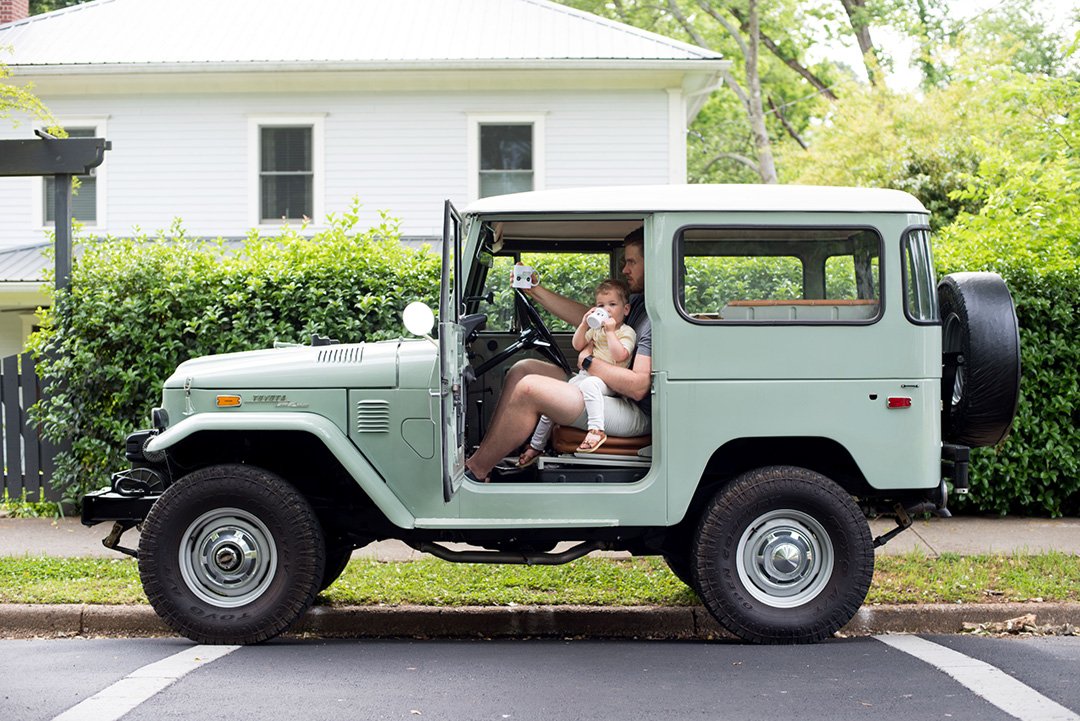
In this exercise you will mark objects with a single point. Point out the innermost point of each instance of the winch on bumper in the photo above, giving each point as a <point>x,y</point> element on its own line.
<point>127,501</point>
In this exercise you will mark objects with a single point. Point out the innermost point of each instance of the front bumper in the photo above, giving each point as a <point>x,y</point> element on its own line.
<point>108,505</point>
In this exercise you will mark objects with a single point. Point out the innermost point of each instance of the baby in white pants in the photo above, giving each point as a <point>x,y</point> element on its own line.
<point>613,342</point>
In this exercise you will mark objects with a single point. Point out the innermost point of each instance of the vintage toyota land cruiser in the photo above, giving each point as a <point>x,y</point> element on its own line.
<point>806,373</point>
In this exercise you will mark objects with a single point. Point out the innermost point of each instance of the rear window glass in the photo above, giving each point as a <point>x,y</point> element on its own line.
<point>779,275</point>
<point>920,294</point>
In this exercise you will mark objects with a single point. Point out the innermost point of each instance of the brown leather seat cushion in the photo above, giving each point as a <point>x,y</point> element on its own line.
<point>566,439</point>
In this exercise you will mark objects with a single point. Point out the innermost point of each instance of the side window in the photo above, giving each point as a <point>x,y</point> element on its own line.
<point>506,159</point>
<point>778,275</point>
<point>286,168</point>
<point>84,201</point>
<point>574,275</point>
<point>920,286</point>
<point>505,153</point>
<point>286,173</point>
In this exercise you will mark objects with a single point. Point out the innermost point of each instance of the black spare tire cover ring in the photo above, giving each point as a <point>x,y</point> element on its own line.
<point>980,330</point>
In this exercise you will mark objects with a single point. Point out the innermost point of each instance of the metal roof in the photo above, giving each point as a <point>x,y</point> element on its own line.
<point>265,34</point>
<point>25,264</point>
<point>658,198</point>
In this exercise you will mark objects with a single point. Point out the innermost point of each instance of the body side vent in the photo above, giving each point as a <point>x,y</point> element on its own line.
<point>373,416</point>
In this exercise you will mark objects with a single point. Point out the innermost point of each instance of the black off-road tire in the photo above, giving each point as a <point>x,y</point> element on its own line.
<point>978,321</point>
<point>231,554</point>
<point>782,520</point>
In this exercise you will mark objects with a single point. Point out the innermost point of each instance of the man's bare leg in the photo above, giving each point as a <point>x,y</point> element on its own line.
<point>521,369</point>
<point>532,396</point>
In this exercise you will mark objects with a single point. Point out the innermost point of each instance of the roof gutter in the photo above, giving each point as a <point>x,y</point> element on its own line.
<point>702,64</point>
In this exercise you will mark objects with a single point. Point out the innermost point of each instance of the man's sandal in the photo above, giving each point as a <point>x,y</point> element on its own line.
<point>587,447</point>
<point>528,457</point>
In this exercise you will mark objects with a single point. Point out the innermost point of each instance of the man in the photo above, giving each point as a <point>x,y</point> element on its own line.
<point>533,387</point>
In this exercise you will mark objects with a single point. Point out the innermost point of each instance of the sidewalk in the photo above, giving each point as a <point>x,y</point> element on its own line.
<point>965,536</point>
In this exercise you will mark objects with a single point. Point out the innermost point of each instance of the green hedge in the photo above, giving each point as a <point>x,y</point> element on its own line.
<point>1029,232</point>
<point>138,307</point>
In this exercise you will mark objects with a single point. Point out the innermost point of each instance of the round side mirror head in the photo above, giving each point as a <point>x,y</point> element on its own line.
<point>418,318</point>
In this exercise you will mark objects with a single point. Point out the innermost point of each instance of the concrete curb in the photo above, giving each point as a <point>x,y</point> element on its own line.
<point>670,623</point>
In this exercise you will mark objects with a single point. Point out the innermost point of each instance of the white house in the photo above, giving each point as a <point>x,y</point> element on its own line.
<point>234,114</point>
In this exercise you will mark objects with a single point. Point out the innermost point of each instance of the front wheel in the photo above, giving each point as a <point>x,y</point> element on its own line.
<point>231,554</point>
<point>783,555</point>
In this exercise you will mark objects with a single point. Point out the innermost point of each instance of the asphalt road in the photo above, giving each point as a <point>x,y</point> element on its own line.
<point>1035,679</point>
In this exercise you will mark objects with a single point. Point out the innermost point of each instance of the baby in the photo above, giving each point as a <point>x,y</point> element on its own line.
<point>612,342</point>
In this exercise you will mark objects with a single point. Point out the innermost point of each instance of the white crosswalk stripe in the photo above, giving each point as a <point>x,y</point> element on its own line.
<point>142,684</point>
<point>989,682</point>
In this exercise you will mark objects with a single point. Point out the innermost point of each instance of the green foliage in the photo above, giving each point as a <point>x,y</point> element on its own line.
<point>19,100</point>
<point>138,307</point>
<point>1028,230</point>
<point>26,507</point>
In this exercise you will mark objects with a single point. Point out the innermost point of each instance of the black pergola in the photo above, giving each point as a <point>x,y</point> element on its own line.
<point>62,158</point>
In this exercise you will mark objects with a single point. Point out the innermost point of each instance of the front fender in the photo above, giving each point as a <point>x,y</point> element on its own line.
<point>362,472</point>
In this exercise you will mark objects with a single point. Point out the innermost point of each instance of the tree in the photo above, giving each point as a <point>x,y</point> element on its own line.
<point>38,7</point>
<point>19,100</point>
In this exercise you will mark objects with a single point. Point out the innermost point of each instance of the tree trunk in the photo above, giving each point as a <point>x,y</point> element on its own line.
<point>766,164</point>
<point>856,12</point>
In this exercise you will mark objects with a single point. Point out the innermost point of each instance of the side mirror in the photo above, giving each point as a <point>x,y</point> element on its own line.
<point>418,318</point>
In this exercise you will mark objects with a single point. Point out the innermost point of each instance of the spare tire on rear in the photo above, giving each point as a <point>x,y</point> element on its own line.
<point>981,345</point>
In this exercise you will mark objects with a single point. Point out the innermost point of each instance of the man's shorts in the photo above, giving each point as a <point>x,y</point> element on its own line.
<point>622,417</point>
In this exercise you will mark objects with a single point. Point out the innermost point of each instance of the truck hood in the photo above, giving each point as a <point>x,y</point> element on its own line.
<point>386,364</point>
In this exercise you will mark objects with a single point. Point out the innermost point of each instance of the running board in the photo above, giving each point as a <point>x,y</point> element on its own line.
<point>528,559</point>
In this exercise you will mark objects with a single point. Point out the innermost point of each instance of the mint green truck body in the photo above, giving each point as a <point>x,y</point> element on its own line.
<point>836,374</point>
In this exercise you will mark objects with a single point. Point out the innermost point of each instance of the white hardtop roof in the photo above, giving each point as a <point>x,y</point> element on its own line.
<point>334,34</point>
<point>634,199</point>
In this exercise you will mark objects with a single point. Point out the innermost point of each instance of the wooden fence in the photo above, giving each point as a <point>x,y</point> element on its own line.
<point>29,459</point>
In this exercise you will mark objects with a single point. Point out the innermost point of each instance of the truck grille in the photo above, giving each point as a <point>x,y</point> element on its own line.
<point>373,417</point>
<point>338,356</point>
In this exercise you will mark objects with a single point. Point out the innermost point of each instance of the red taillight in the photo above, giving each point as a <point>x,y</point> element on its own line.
<point>899,402</point>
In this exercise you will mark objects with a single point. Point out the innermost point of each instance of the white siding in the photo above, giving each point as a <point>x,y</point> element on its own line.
<point>187,155</point>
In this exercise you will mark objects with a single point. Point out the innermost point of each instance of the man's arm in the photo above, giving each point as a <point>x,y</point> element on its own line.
<point>633,382</point>
<point>558,305</point>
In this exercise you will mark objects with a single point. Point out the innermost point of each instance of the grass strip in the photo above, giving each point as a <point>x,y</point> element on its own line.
<point>912,578</point>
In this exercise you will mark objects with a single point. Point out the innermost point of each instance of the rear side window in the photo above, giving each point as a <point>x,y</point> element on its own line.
<point>920,286</point>
<point>779,275</point>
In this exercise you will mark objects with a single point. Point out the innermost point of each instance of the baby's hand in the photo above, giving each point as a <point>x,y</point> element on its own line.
<point>585,318</point>
<point>608,325</point>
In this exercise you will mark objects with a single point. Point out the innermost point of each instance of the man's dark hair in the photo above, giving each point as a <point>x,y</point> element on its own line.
<point>615,284</point>
<point>636,237</point>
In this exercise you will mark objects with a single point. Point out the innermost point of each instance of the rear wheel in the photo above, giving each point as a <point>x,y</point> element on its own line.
<point>783,555</point>
<point>231,554</point>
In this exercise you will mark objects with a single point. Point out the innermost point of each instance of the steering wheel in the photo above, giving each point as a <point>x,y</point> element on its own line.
<point>534,334</point>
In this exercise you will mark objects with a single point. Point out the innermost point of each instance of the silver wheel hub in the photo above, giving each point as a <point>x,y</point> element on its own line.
<point>785,558</point>
<point>227,557</point>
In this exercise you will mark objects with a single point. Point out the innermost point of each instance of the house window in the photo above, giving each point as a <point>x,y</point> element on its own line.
<point>286,173</point>
<point>506,154</point>
<point>506,159</point>
<point>84,201</point>
<point>286,165</point>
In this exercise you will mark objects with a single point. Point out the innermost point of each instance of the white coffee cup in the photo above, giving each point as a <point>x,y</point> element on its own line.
<point>596,318</point>
<point>522,276</point>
